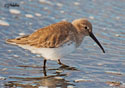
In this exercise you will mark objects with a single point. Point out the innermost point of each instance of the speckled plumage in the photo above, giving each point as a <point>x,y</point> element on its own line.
<point>52,36</point>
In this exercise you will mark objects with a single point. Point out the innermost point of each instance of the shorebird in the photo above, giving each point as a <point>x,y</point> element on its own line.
<point>56,40</point>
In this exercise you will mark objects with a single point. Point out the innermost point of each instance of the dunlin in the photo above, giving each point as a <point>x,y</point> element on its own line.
<point>57,40</point>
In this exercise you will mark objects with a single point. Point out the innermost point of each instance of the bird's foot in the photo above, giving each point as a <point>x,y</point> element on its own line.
<point>67,67</point>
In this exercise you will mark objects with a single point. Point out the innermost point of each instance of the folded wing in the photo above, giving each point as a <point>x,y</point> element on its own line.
<point>52,36</point>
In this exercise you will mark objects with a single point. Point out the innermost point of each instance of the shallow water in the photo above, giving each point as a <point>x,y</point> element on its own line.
<point>21,69</point>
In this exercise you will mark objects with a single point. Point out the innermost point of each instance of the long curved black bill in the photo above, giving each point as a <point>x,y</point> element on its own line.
<point>94,38</point>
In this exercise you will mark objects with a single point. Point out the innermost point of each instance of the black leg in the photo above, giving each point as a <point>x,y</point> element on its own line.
<point>59,62</point>
<point>44,71</point>
<point>65,66</point>
<point>44,64</point>
<point>44,67</point>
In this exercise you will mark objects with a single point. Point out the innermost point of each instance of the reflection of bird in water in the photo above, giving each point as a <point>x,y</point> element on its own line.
<point>57,40</point>
<point>55,82</point>
<point>51,81</point>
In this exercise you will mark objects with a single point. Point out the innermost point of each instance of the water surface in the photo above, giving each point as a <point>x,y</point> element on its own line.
<point>22,69</point>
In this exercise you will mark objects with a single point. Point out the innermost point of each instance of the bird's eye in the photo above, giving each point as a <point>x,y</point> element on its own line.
<point>86,27</point>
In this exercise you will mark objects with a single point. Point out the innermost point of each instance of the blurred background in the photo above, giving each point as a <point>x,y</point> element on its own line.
<point>20,68</point>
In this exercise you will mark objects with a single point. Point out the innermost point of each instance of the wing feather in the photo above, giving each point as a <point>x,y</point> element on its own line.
<point>52,36</point>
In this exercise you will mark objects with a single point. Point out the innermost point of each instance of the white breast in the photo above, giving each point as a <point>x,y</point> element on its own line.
<point>52,53</point>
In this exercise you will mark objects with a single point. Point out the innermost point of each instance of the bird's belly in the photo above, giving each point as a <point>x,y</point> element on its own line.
<point>52,53</point>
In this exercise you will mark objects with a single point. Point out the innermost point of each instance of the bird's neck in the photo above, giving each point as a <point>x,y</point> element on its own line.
<point>79,36</point>
<point>79,40</point>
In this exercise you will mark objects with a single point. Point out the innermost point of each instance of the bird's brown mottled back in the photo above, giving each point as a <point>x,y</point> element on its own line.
<point>52,36</point>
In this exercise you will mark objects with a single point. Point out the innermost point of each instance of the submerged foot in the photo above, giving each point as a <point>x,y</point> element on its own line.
<point>63,66</point>
<point>67,67</point>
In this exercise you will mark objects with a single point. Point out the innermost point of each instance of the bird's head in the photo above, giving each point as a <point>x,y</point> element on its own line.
<point>84,27</point>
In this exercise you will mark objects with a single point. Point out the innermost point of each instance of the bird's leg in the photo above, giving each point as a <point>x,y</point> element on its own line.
<point>44,67</point>
<point>65,66</point>
<point>60,63</point>
<point>44,63</point>
<point>44,71</point>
